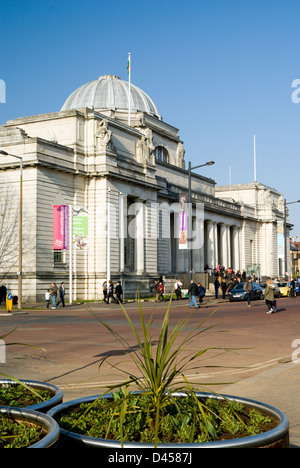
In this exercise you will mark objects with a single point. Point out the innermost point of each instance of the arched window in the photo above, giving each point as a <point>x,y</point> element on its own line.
<point>161,154</point>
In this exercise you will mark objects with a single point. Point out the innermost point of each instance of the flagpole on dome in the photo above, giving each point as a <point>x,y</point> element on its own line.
<point>129,83</point>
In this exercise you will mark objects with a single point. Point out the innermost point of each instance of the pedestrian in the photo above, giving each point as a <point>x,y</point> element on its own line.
<point>47,297</point>
<point>3,292</point>
<point>53,294</point>
<point>119,291</point>
<point>217,285</point>
<point>269,296</point>
<point>161,290</point>
<point>61,291</point>
<point>104,290</point>
<point>156,291</point>
<point>292,288</point>
<point>223,288</point>
<point>110,294</point>
<point>249,288</point>
<point>193,290</point>
<point>177,287</point>
<point>201,293</point>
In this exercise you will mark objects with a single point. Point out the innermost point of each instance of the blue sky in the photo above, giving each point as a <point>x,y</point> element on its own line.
<point>219,71</point>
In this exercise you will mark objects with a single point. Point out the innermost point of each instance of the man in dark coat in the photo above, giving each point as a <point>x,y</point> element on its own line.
<point>2,293</point>
<point>119,291</point>
<point>193,290</point>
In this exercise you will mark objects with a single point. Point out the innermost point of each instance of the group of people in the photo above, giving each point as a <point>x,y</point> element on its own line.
<point>109,291</point>
<point>52,293</point>
<point>195,291</point>
<point>269,294</point>
<point>223,272</point>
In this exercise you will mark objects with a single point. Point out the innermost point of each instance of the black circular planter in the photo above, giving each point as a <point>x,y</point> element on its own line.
<point>50,440</point>
<point>44,406</point>
<point>275,438</point>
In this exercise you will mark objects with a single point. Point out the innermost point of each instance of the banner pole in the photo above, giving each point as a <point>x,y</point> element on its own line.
<point>70,254</point>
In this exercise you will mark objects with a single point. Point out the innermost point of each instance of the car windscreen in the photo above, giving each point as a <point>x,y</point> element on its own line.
<point>239,286</point>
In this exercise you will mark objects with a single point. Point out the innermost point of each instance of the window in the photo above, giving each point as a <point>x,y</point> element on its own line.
<point>58,256</point>
<point>161,154</point>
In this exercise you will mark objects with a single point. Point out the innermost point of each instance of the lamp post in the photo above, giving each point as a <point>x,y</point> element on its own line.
<point>4,153</point>
<point>285,235</point>
<point>209,163</point>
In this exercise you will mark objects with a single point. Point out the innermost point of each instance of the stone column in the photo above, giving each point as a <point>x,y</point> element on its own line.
<point>216,254</point>
<point>228,247</point>
<point>140,247</point>
<point>122,230</point>
<point>236,248</point>
<point>200,224</point>
<point>224,249</point>
<point>210,245</point>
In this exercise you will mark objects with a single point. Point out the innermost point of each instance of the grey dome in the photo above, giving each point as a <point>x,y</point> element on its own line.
<point>110,92</point>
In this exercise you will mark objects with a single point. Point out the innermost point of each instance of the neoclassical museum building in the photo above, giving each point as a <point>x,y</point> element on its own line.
<point>109,184</point>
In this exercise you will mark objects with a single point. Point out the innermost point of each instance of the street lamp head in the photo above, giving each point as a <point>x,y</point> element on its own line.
<point>3,152</point>
<point>210,163</point>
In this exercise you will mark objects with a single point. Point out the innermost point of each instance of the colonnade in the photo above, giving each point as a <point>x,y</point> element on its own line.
<point>218,243</point>
<point>222,245</point>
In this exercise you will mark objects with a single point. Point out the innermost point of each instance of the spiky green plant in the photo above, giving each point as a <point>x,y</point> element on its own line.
<point>161,371</point>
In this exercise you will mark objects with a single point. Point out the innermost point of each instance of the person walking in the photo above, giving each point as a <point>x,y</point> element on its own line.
<point>193,290</point>
<point>177,287</point>
<point>269,296</point>
<point>61,291</point>
<point>217,285</point>
<point>249,288</point>
<point>223,288</point>
<point>156,290</point>
<point>292,288</point>
<point>53,294</point>
<point>201,293</point>
<point>160,290</point>
<point>47,297</point>
<point>119,292</point>
<point>104,290</point>
<point>3,293</point>
<point>110,294</point>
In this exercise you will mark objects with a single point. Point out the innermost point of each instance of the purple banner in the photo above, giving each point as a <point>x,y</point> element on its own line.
<point>60,227</point>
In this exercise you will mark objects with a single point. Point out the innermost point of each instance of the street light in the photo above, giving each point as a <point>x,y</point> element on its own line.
<point>285,236</point>
<point>4,153</point>
<point>209,163</point>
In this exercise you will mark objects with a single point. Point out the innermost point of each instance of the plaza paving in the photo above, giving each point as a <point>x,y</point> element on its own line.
<point>255,359</point>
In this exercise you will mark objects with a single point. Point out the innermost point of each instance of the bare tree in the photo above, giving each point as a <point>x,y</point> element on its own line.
<point>9,231</point>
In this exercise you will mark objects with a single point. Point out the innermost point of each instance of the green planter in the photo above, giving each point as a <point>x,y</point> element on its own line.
<point>275,438</point>
<point>44,406</point>
<point>50,426</point>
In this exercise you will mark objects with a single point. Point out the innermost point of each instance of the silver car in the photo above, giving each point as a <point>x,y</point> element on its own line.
<point>277,290</point>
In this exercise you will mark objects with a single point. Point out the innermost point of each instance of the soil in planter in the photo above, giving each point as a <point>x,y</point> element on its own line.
<point>20,396</point>
<point>182,420</point>
<point>18,433</point>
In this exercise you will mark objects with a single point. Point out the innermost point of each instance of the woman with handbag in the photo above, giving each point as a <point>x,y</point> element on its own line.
<point>269,296</point>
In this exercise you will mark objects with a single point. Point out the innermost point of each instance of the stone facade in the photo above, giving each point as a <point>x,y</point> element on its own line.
<point>129,179</point>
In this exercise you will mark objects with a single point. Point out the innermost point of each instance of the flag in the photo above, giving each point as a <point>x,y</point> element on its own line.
<point>128,64</point>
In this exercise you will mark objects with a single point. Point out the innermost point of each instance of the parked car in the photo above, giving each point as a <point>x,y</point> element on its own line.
<point>238,293</point>
<point>284,288</point>
<point>277,290</point>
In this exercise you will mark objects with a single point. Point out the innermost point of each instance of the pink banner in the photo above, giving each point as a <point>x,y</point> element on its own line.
<point>60,227</point>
